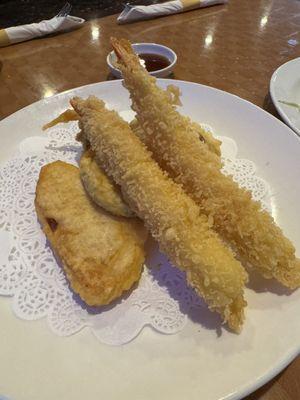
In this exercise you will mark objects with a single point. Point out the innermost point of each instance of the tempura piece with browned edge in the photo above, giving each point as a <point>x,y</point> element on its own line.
<point>170,137</point>
<point>102,190</point>
<point>102,255</point>
<point>212,143</point>
<point>169,214</point>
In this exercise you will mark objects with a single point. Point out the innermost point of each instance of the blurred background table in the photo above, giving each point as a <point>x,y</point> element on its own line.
<point>234,47</point>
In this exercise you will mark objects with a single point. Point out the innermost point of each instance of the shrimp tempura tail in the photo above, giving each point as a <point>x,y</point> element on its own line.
<point>170,215</point>
<point>238,219</point>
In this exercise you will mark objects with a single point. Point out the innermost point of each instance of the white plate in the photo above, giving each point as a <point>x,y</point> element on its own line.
<point>285,86</point>
<point>196,363</point>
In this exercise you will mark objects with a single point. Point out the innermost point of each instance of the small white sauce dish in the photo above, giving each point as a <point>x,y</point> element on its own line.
<point>147,48</point>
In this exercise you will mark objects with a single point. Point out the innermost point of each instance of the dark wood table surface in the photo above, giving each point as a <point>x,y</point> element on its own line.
<point>234,47</point>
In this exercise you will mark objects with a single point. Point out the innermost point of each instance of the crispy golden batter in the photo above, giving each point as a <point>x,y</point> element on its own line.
<point>236,217</point>
<point>66,116</point>
<point>101,255</point>
<point>170,215</point>
<point>100,187</point>
<point>213,144</point>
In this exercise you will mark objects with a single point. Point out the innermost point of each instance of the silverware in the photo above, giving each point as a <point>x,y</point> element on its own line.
<point>65,10</point>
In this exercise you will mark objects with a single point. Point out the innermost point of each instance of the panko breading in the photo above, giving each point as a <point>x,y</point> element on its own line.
<point>100,187</point>
<point>171,216</point>
<point>171,138</point>
<point>213,144</point>
<point>102,255</point>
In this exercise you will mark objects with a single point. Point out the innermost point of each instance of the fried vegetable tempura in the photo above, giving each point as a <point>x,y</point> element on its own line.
<point>170,215</point>
<point>100,187</point>
<point>171,138</point>
<point>101,255</point>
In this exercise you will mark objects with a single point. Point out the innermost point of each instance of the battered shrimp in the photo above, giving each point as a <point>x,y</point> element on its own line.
<point>102,189</point>
<point>171,138</point>
<point>173,94</point>
<point>169,214</point>
<point>212,143</point>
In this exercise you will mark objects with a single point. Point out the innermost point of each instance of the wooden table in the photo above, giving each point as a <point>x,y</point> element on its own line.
<point>235,47</point>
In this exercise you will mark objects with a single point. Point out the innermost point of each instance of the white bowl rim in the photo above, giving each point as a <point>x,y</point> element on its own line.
<point>172,63</point>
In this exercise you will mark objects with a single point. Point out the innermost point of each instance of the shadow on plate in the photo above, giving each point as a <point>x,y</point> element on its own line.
<point>168,277</point>
<point>269,106</point>
<point>259,284</point>
<point>174,281</point>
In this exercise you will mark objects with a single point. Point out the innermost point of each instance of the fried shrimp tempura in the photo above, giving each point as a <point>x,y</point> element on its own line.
<point>102,190</point>
<point>66,116</point>
<point>101,255</point>
<point>170,215</point>
<point>100,187</point>
<point>203,135</point>
<point>170,137</point>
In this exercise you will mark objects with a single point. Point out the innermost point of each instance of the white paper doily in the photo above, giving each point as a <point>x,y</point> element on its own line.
<point>30,274</point>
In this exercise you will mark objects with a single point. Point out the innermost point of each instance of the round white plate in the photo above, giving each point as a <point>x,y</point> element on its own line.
<point>285,86</point>
<point>200,362</point>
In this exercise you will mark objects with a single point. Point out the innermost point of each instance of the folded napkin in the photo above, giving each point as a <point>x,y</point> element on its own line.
<point>134,13</point>
<point>21,33</point>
